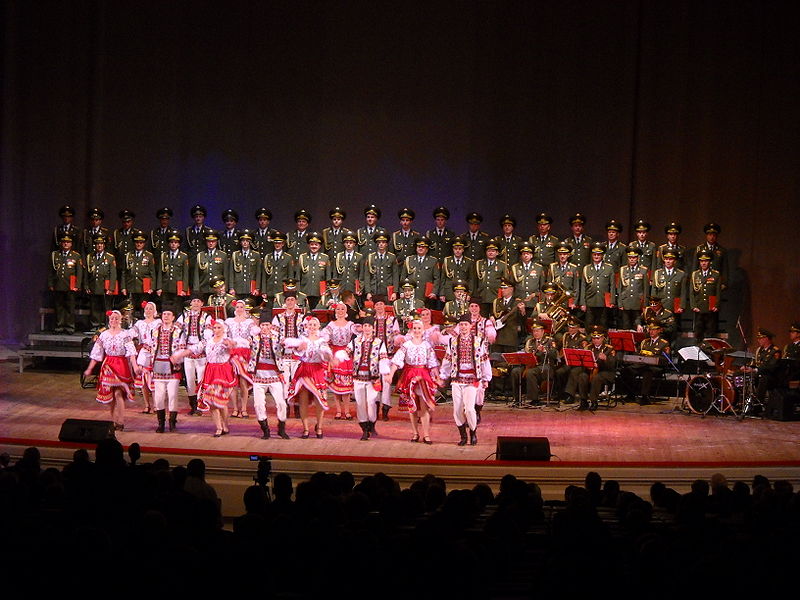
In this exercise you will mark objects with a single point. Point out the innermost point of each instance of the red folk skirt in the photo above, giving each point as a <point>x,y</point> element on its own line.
<point>239,359</point>
<point>115,372</point>
<point>341,376</point>
<point>312,377</point>
<point>406,387</point>
<point>214,390</point>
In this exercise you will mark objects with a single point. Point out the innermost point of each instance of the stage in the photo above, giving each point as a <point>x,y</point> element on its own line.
<point>633,444</point>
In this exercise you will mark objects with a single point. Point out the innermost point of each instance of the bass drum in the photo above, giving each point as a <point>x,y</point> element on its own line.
<point>703,393</point>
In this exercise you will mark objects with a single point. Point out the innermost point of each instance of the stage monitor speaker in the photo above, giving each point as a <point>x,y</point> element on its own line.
<point>783,405</point>
<point>523,448</point>
<point>86,431</point>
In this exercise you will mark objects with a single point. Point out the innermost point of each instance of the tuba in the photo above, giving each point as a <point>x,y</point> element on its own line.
<point>559,313</point>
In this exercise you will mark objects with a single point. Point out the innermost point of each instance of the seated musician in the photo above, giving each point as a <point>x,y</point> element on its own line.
<point>655,346</point>
<point>459,306</point>
<point>405,307</point>
<point>792,352</point>
<point>545,349</point>
<point>656,312</point>
<point>765,363</point>
<point>573,338</point>
<point>593,380</point>
<point>551,308</point>
<point>220,298</point>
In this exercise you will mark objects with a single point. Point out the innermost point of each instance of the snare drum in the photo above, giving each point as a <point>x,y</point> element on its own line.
<point>703,393</point>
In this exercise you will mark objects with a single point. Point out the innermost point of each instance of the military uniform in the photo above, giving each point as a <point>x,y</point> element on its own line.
<point>604,375</point>
<point>546,353</point>
<point>528,280</point>
<point>765,362</point>
<point>229,241</point>
<point>615,255</point>
<point>669,287</point>
<point>424,272</point>
<point>441,240</point>
<point>302,301</point>
<point>380,272</point>
<point>597,292</point>
<point>704,294</point>
<point>568,276</point>
<point>245,273</point>
<point>311,270</point>
<point>332,242</point>
<point>223,300</point>
<point>405,308</point>
<point>403,244</point>
<point>262,236</point>
<point>278,266</point>
<point>89,234</point>
<point>647,258</point>
<point>172,279</point>
<point>665,318</point>
<point>140,277</point>
<point>455,308</point>
<point>296,243</point>
<point>632,291</point>
<point>475,244</point>
<point>158,239</point>
<point>647,347</point>
<point>507,339</point>
<point>544,248</point>
<point>576,341</point>
<point>581,250</point>
<point>678,249</point>
<point>453,269</point>
<point>101,284</point>
<point>65,280</point>
<point>209,266</point>
<point>489,276</point>
<point>364,240</point>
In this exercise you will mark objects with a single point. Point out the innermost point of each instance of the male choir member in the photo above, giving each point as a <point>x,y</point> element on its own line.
<point>365,236</point>
<point>64,280</point>
<point>100,281</point>
<point>313,268</point>
<point>244,277</point>
<point>403,239</point>
<point>597,288</point>
<point>440,236</point>
<point>705,287</point>
<point>633,288</point>
<point>381,270</point>
<point>348,265</point>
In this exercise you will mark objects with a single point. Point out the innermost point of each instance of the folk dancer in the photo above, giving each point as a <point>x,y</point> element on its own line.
<point>369,361</point>
<point>466,364</point>
<point>195,325</point>
<point>266,373</point>
<point>165,340</point>
<point>142,333</point>
<point>339,333</point>
<point>240,328</point>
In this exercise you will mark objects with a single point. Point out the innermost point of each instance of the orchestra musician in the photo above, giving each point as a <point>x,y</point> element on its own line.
<point>573,339</point>
<point>592,381</point>
<point>544,348</point>
<point>655,346</point>
<point>764,364</point>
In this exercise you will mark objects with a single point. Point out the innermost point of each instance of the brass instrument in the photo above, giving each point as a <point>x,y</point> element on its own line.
<point>559,313</point>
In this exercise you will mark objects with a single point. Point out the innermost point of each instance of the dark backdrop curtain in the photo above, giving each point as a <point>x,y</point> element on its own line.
<point>683,110</point>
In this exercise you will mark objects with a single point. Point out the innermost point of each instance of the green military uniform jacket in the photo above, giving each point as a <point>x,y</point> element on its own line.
<point>381,271</point>
<point>476,249</point>
<point>245,273</point>
<point>528,279</point>
<point>349,271</point>
<point>208,266</point>
<point>506,311</point>
<point>567,276</point>
<point>332,242</point>
<point>441,243</point>
<point>452,271</point>
<point>581,250</point>
<point>296,242</point>
<point>544,250</point>
<point>595,285</point>
<point>422,272</point>
<point>670,288</point>
<point>489,278</point>
<point>648,256</point>
<point>366,245</point>
<point>704,289</point>
<point>615,255</point>
<point>311,272</point>
<point>403,245</point>
<point>140,272</point>
<point>302,301</point>
<point>276,270</point>
<point>262,241</point>
<point>633,288</point>
<point>405,307</point>
<point>509,248</point>
<point>67,272</point>
<point>172,274</point>
<point>101,274</point>
<point>680,261</point>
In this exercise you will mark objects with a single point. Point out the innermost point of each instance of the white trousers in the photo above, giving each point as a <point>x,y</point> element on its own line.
<point>288,369</point>
<point>260,399</point>
<point>194,368</point>
<point>166,389</point>
<point>479,397</point>
<point>464,399</point>
<point>366,401</point>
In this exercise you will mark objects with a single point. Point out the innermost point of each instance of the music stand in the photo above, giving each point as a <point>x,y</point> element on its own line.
<point>526,359</point>
<point>578,357</point>
<point>622,340</point>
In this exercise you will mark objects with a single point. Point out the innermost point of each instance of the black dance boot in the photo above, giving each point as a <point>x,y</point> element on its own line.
<point>462,431</point>
<point>282,430</point>
<point>364,430</point>
<point>193,406</point>
<point>473,437</point>
<point>385,411</point>
<point>478,409</point>
<point>264,429</point>
<point>372,428</point>
<point>161,416</point>
<point>173,420</point>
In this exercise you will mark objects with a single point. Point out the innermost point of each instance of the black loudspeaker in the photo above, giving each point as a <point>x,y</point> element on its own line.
<point>783,405</point>
<point>523,448</point>
<point>86,431</point>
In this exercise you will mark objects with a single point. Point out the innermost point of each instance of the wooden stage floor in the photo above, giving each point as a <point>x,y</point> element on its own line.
<point>633,444</point>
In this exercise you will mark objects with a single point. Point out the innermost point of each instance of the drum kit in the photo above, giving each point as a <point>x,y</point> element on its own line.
<point>724,388</point>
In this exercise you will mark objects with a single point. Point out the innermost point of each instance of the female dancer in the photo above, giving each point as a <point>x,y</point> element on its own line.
<point>142,330</point>
<point>115,349</point>
<point>241,326</point>
<point>309,383</point>
<point>419,380</point>
<point>339,333</point>
<point>219,379</point>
